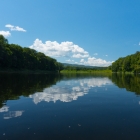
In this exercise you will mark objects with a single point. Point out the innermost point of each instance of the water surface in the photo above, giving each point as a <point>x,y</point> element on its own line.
<point>52,107</point>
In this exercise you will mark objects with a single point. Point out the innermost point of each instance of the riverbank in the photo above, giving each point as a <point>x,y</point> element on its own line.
<point>86,71</point>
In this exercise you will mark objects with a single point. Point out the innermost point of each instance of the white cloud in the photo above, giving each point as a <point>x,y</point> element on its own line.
<point>15,28</point>
<point>80,55</point>
<point>82,60</point>
<point>95,53</point>
<point>69,60</point>
<point>70,50</point>
<point>92,61</point>
<point>5,33</point>
<point>55,49</point>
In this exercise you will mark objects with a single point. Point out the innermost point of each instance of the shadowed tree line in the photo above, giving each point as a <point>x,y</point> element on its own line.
<point>130,63</point>
<point>15,85</point>
<point>13,56</point>
<point>85,69</point>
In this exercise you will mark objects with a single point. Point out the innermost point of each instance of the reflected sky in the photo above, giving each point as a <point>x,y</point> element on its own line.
<point>4,109</point>
<point>13,114</point>
<point>10,114</point>
<point>76,108</point>
<point>67,91</point>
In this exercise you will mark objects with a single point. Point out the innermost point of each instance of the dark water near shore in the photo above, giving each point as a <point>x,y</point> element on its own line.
<point>70,107</point>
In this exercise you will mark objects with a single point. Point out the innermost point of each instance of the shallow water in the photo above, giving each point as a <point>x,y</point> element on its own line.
<point>50,107</point>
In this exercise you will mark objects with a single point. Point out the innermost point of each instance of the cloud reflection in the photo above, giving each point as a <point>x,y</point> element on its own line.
<point>67,91</point>
<point>4,109</point>
<point>13,114</point>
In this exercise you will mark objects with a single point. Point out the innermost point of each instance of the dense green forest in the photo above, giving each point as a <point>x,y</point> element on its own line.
<point>130,63</point>
<point>13,56</point>
<point>85,69</point>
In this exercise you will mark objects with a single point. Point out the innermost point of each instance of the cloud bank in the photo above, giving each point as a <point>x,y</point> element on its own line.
<point>15,28</point>
<point>92,61</point>
<point>63,49</point>
<point>5,33</point>
<point>68,50</point>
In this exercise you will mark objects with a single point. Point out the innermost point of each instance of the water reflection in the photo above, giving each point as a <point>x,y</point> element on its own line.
<point>13,114</point>
<point>71,90</point>
<point>129,82</point>
<point>43,87</point>
<point>100,114</point>
<point>12,86</point>
<point>4,109</point>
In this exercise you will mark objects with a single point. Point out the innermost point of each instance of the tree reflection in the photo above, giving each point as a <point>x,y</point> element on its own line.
<point>14,85</point>
<point>129,81</point>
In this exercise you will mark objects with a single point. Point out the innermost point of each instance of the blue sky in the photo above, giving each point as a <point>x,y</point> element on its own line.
<point>92,32</point>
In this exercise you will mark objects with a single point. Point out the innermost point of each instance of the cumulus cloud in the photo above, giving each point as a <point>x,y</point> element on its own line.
<point>92,61</point>
<point>95,53</point>
<point>15,28</point>
<point>5,33</point>
<point>63,49</point>
<point>69,60</point>
<point>80,55</point>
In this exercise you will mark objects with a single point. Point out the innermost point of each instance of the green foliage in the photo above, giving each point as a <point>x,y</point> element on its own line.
<point>84,69</point>
<point>70,69</point>
<point>13,56</point>
<point>130,63</point>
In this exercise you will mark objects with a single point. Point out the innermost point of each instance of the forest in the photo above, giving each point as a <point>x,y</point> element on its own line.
<point>85,69</point>
<point>15,57</point>
<point>130,63</point>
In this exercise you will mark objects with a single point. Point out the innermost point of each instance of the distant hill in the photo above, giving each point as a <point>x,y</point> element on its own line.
<point>83,66</point>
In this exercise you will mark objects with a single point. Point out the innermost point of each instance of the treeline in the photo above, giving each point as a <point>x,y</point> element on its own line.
<point>84,69</point>
<point>130,63</point>
<point>13,56</point>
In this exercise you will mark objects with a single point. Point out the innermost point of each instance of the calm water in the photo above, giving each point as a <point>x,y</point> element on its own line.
<point>51,107</point>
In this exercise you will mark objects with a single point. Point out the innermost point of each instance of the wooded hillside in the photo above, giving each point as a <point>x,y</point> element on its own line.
<point>13,56</point>
<point>130,63</point>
